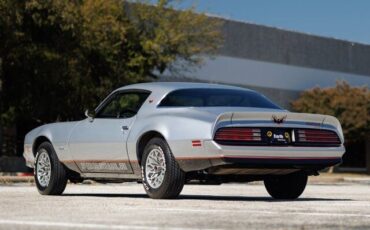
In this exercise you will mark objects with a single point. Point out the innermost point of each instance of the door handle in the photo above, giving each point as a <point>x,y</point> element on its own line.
<point>124,127</point>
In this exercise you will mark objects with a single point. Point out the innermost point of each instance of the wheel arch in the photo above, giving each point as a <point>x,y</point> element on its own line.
<point>38,141</point>
<point>143,140</point>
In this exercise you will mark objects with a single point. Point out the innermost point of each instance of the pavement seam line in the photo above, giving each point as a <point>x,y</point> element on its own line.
<point>80,225</point>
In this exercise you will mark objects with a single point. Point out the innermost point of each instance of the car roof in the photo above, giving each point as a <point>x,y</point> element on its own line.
<point>165,87</point>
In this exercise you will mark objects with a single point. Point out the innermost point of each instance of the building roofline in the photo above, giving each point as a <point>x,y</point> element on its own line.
<point>285,29</point>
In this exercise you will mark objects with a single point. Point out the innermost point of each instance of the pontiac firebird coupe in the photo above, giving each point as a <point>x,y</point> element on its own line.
<point>167,134</point>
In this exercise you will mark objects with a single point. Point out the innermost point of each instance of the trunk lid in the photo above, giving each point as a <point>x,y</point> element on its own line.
<point>277,118</point>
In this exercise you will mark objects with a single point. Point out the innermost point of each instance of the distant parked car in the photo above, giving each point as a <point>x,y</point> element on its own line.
<point>168,134</point>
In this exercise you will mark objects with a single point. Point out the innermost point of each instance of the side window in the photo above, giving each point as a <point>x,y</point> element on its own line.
<point>123,105</point>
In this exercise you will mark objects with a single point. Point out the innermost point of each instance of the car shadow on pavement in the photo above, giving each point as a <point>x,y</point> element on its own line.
<point>250,198</point>
<point>202,197</point>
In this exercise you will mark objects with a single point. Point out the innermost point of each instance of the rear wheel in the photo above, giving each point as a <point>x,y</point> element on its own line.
<point>161,175</point>
<point>289,186</point>
<point>50,174</point>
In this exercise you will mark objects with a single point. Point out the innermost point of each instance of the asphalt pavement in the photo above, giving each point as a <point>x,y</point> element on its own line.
<point>229,206</point>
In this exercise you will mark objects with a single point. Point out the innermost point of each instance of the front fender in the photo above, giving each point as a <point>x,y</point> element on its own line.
<point>56,133</point>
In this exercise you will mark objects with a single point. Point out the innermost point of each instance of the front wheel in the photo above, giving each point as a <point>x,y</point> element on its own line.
<point>161,175</point>
<point>50,174</point>
<point>289,186</point>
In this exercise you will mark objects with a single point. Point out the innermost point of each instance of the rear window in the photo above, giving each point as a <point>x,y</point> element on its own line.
<point>216,98</point>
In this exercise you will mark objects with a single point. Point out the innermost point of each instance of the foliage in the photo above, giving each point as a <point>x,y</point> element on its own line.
<point>58,57</point>
<point>351,105</point>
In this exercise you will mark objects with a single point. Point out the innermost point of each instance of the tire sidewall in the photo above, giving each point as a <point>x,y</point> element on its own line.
<point>50,151</point>
<point>155,143</point>
<point>288,187</point>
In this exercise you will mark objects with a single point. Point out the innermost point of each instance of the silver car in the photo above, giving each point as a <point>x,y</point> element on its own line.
<point>164,135</point>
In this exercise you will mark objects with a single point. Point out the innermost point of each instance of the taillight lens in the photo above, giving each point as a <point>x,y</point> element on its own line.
<point>318,137</point>
<point>238,134</point>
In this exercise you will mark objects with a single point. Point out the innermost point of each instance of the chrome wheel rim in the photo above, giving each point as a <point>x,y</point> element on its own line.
<point>155,167</point>
<point>43,171</point>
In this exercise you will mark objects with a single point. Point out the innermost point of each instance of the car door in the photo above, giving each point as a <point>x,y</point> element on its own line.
<point>99,144</point>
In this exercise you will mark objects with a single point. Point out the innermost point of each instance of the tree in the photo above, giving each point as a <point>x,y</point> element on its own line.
<point>351,105</point>
<point>58,57</point>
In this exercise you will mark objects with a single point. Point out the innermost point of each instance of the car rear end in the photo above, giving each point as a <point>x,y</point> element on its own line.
<point>224,134</point>
<point>275,140</point>
<point>248,130</point>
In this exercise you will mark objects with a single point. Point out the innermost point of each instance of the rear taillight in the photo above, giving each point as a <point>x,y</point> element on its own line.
<point>238,134</point>
<point>317,137</point>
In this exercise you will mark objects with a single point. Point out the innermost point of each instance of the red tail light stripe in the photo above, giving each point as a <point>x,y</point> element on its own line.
<point>321,141</point>
<point>318,136</point>
<point>240,130</point>
<point>238,134</point>
<point>238,138</point>
<point>315,138</point>
<point>333,141</point>
<point>309,132</point>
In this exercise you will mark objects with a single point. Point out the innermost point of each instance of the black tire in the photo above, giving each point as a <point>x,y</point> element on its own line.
<point>288,187</point>
<point>174,177</point>
<point>58,178</point>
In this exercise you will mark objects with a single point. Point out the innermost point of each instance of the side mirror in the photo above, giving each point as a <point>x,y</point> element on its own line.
<point>90,114</point>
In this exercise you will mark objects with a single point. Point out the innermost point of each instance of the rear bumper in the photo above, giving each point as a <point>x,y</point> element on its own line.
<point>211,154</point>
<point>297,163</point>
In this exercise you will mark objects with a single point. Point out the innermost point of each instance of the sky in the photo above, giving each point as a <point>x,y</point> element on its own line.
<point>342,19</point>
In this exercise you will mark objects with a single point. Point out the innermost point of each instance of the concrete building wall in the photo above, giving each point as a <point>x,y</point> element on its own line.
<point>282,63</point>
<point>256,42</point>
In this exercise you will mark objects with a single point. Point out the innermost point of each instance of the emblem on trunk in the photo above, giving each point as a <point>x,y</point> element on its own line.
<point>278,120</point>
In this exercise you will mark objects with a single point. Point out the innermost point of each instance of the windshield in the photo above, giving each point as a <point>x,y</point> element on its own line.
<point>203,97</point>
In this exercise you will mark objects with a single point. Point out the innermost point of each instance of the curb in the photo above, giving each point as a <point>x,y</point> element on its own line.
<point>357,180</point>
<point>16,179</point>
